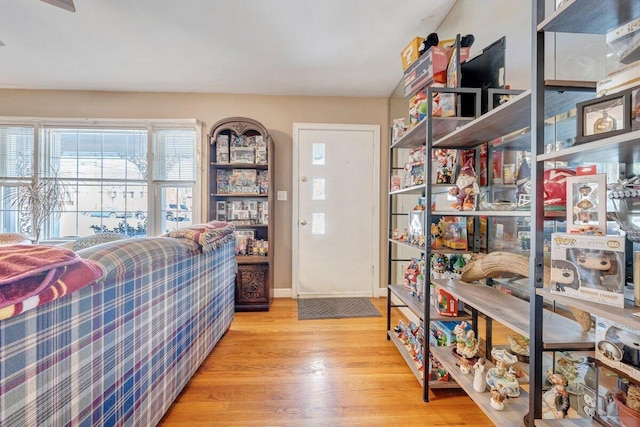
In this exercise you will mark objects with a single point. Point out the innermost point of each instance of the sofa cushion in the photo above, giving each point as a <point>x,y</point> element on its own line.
<point>97,239</point>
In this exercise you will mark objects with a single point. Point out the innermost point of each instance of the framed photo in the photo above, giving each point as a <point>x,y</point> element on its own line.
<point>635,108</point>
<point>603,117</point>
<point>587,204</point>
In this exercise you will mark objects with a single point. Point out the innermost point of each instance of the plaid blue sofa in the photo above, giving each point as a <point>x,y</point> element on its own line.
<point>119,351</point>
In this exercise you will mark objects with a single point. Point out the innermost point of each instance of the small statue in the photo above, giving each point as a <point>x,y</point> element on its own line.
<point>465,366</point>
<point>467,344</point>
<point>466,188</point>
<point>479,381</point>
<point>497,399</point>
<point>555,401</point>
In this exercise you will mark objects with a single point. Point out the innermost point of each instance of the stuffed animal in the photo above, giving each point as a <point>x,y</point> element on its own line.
<point>431,40</point>
<point>466,188</point>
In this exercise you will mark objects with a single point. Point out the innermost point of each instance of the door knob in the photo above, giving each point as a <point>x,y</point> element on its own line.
<point>303,179</point>
<point>303,222</point>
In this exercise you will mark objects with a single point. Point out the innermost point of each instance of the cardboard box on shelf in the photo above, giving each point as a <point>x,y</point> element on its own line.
<point>430,67</point>
<point>617,346</point>
<point>411,52</point>
<point>588,267</point>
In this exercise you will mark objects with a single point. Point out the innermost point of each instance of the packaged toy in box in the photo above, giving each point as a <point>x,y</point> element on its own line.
<point>588,267</point>
<point>446,304</point>
<point>442,331</point>
<point>618,346</point>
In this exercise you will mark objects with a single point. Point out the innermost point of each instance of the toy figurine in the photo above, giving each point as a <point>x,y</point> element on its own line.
<point>497,399</point>
<point>436,237</point>
<point>466,189</point>
<point>479,381</point>
<point>465,366</point>
<point>467,344</point>
<point>555,401</point>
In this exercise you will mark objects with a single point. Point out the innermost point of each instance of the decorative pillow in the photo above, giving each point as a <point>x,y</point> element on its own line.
<point>89,241</point>
<point>14,239</point>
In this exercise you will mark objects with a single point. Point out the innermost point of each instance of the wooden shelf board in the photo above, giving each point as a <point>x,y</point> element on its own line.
<point>506,118</point>
<point>417,307</point>
<point>412,365</point>
<point>590,16</point>
<point>617,148</point>
<point>568,422</point>
<point>623,316</point>
<point>252,259</point>
<point>515,115</point>
<point>239,165</point>
<point>416,189</point>
<point>514,408</point>
<point>239,195</point>
<point>407,245</point>
<point>559,332</point>
<point>482,213</point>
<point>415,137</point>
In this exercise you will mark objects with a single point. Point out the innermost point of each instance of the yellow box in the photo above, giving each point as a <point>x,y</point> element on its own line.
<point>411,52</point>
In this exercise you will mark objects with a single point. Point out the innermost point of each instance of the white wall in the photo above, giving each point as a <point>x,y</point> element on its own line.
<point>488,21</point>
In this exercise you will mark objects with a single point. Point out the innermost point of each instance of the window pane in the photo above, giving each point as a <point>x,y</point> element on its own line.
<point>95,153</point>
<point>16,151</point>
<point>177,207</point>
<point>318,152</point>
<point>107,206</point>
<point>174,155</point>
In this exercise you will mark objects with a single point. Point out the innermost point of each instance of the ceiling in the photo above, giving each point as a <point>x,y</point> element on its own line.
<point>271,47</point>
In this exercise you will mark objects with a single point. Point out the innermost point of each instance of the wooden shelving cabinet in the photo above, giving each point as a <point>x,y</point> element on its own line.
<point>240,182</point>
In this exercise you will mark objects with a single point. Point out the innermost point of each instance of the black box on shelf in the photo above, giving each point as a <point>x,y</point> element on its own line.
<point>603,117</point>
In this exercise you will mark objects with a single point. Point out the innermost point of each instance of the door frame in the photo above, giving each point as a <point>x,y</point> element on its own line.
<point>375,250</point>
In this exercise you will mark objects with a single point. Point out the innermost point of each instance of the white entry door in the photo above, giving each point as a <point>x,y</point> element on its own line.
<point>335,210</point>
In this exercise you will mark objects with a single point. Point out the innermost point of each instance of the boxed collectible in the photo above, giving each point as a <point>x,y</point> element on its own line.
<point>603,117</point>
<point>588,267</point>
<point>446,304</point>
<point>430,67</point>
<point>619,80</point>
<point>587,204</point>
<point>625,41</point>
<point>443,331</point>
<point>618,346</point>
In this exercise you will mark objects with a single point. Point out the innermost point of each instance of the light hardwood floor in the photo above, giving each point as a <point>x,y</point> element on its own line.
<point>271,369</point>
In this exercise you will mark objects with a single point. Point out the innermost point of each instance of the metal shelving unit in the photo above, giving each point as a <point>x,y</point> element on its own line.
<point>573,16</point>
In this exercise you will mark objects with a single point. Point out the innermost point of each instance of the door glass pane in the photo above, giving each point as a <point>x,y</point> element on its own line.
<point>318,223</point>
<point>319,189</point>
<point>318,152</point>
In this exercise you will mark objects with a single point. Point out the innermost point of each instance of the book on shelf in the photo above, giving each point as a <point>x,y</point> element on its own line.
<point>243,212</point>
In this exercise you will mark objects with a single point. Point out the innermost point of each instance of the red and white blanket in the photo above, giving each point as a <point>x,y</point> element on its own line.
<point>32,275</point>
<point>208,236</point>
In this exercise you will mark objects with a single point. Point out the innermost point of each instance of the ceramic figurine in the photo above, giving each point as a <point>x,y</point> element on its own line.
<point>465,367</point>
<point>555,401</point>
<point>479,381</point>
<point>503,376</point>
<point>466,188</point>
<point>497,399</point>
<point>466,342</point>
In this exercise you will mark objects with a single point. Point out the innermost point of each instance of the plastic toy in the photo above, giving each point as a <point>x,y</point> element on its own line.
<point>466,189</point>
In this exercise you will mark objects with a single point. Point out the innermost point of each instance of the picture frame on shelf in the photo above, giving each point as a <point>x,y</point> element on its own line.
<point>587,204</point>
<point>603,117</point>
<point>635,108</point>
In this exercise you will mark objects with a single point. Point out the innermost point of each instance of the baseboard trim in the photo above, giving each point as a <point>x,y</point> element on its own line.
<point>288,293</point>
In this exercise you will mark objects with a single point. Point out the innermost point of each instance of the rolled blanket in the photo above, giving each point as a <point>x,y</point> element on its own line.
<point>32,275</point>
<point>209,236</point>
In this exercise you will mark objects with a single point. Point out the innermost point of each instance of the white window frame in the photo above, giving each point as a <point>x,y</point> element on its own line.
<point>154,187</point>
